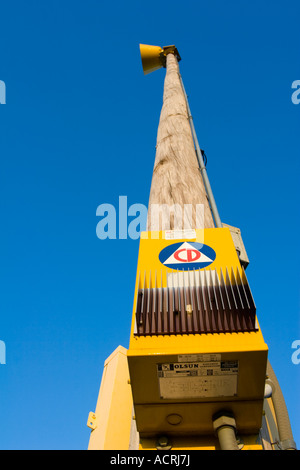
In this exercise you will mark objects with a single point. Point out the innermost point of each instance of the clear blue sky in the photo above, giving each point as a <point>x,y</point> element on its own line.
<point>78,130</point>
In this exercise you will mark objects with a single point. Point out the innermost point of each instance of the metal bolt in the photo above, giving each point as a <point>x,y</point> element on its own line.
<point>189,309</point>
<point>163,441</point>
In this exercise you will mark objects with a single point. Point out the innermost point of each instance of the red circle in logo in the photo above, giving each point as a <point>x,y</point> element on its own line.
<point>186,255</point>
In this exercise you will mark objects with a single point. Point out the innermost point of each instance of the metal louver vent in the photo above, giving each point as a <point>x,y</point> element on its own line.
<point>196,302</point>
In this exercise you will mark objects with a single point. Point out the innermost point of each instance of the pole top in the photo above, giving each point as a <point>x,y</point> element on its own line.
<point>155,57</point>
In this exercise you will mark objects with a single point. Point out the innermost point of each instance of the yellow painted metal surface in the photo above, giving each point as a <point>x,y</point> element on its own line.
<point>175,409</point>
<point>271,434</point>
<point>111,422</point>
<point>191,443</point>
<point>186,421</point>
<point>152,243</point>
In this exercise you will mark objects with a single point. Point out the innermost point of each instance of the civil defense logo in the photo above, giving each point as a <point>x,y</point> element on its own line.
<point>187,255</point>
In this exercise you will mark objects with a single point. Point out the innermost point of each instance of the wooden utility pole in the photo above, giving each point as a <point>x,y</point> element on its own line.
<point>176,176</point>
<point>194,375</point>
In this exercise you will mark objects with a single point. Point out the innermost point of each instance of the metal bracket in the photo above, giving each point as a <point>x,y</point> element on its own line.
<point>92,420</point>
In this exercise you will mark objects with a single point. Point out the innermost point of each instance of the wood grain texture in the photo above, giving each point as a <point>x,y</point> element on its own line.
<point>177,192</point>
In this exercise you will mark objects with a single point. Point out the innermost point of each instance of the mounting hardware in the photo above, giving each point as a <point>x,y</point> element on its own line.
<point>163,443</point>
<point>92,420</point>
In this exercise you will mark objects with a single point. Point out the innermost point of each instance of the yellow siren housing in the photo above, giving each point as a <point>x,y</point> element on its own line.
<point>154,57</point>
<point>196,347</point>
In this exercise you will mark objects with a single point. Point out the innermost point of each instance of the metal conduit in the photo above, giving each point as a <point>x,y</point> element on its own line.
<point>283,422</point>
<point>202,167</point>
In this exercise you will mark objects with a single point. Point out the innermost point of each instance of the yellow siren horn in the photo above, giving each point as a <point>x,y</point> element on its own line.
<point>154,57</point>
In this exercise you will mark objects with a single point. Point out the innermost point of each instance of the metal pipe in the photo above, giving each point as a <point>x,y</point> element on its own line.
<point>202,167</point>
<point>227,439</point>
<point>225,427</point>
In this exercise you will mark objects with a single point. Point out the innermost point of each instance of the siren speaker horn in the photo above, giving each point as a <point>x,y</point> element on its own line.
<point>152,58</point>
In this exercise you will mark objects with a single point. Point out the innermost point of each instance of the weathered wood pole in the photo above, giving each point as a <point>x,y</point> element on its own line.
<point>177,187</point>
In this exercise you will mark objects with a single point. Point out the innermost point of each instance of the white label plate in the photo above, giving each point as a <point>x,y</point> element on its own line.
<point>180,234</point>
<point>209,379</point>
